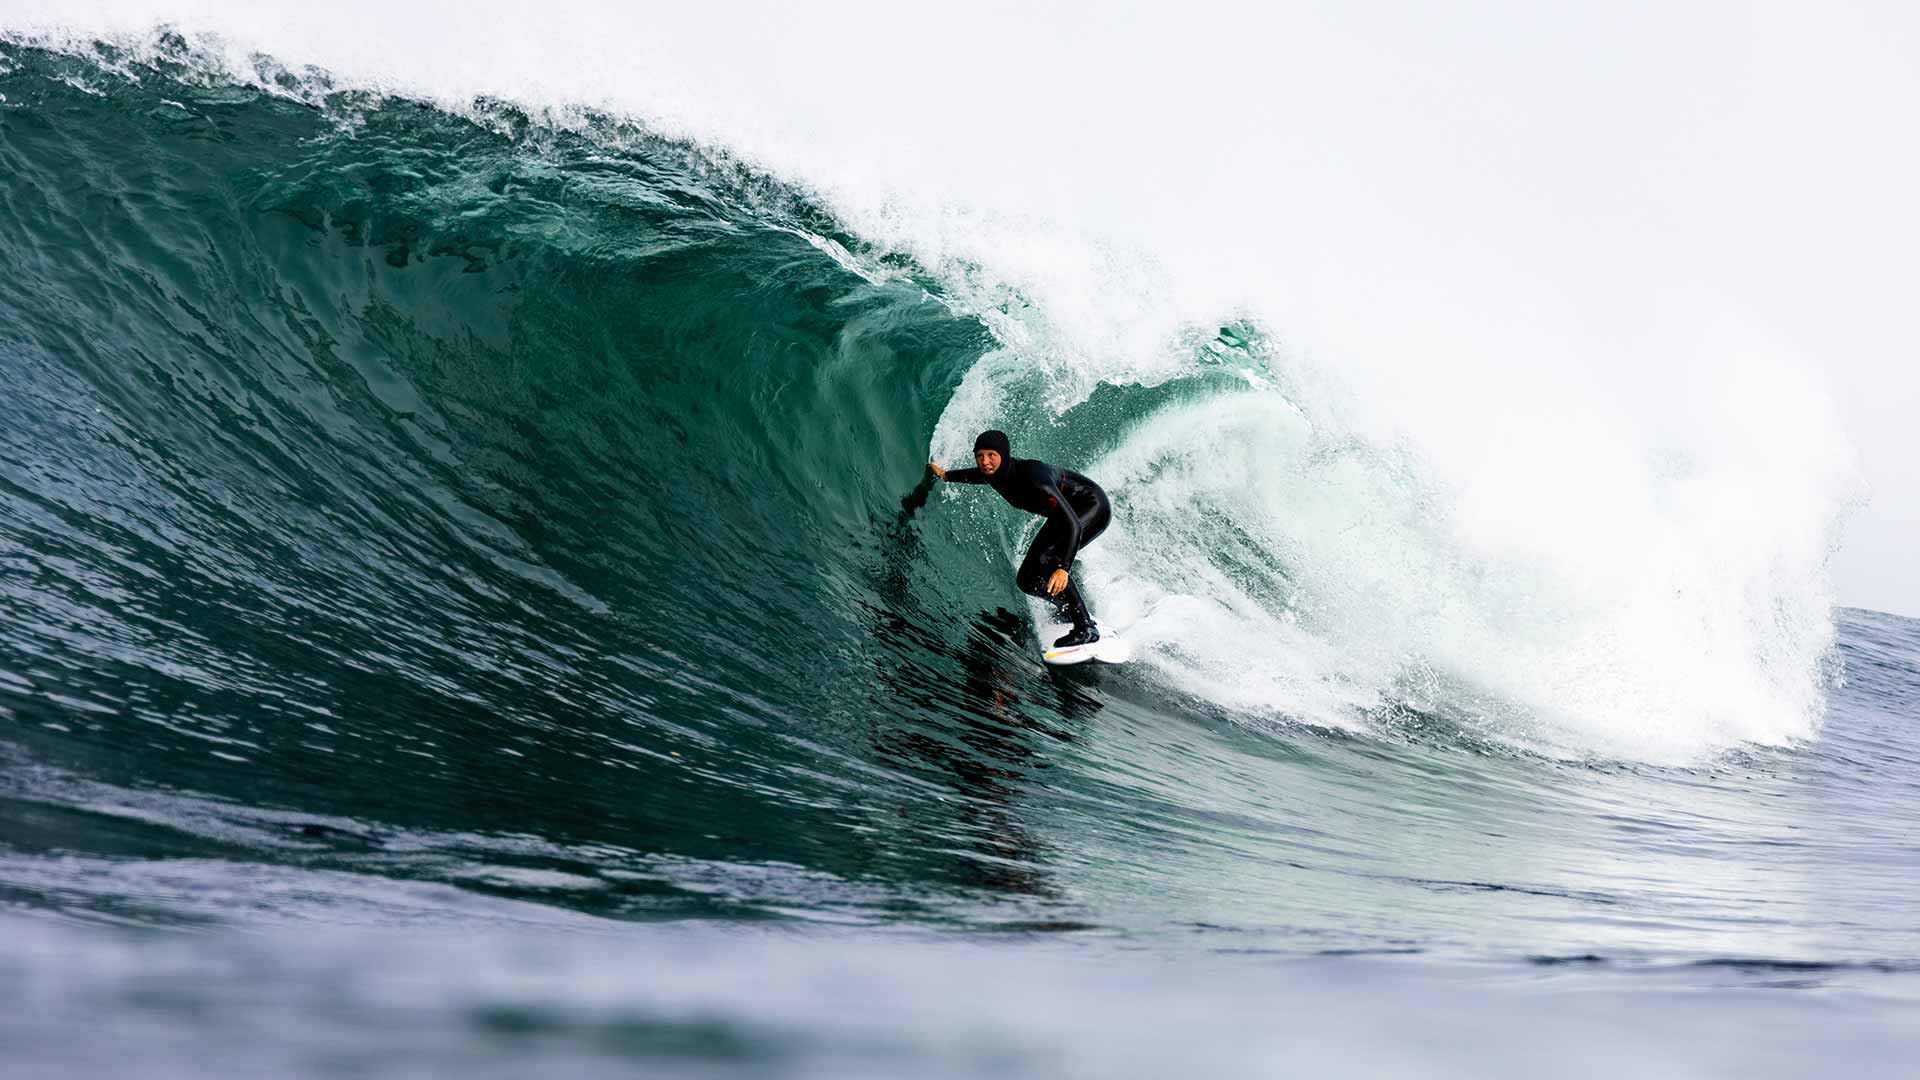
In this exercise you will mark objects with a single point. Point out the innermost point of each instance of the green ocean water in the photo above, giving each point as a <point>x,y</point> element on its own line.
<point>512,528</point>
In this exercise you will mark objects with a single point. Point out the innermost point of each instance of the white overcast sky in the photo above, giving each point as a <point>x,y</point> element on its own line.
<point>1471,203</point>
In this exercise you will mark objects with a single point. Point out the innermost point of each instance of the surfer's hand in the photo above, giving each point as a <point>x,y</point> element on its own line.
<point>1057,582</point>
<point>937,470</point>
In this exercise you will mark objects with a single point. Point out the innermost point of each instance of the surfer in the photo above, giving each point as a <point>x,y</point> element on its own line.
<point>1076,511</point>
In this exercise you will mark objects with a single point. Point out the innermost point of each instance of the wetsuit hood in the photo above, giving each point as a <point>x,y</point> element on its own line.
<point>995,441</point>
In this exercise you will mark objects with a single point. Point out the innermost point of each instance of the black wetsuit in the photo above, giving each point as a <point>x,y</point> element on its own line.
<point>1076,511</point>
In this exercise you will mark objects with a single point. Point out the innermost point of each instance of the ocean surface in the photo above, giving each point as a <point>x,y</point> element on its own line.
<point>471,602</point>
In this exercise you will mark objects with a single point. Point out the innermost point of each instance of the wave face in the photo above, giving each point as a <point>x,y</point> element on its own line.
<point>514,515</point>
<point>406,459</point>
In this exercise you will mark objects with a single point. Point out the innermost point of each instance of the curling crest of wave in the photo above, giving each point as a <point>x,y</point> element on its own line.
<point>1287,571</point>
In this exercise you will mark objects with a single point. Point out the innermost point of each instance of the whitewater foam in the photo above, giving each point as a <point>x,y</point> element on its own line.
<point>1310,576</point>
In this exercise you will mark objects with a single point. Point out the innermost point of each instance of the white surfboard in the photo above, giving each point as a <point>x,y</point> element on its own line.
<point>1111,649</point>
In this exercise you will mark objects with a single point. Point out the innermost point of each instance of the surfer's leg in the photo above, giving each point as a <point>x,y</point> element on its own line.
<point>1071,607</point>
<point>1043,558</point>
<point>1093,522</point>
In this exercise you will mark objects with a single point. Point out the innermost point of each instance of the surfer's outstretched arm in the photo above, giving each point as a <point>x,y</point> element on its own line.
<point>961,476</point>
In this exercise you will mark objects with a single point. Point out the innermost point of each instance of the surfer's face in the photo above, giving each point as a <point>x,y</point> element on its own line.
<point>988,460</point>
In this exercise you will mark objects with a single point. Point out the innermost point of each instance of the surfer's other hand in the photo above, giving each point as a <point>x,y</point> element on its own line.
<point>937,470</point>
<point>1057,582</point>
